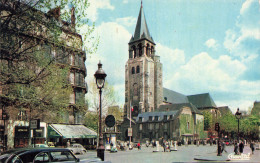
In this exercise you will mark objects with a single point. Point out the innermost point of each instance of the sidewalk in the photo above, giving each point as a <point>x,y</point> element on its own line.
<point>227,156</point>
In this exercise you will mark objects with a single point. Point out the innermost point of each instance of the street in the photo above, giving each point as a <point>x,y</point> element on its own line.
<point>184,154</point>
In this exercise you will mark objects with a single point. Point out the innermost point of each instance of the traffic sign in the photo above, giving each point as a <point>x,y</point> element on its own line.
<point>110,121</point>
<point>130,131</point>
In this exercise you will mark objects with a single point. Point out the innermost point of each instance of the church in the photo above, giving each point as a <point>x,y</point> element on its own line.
<point>156,112</point>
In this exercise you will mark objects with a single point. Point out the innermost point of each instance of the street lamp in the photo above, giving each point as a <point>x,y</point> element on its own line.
<point>100,76</point>
<point>238,116</point>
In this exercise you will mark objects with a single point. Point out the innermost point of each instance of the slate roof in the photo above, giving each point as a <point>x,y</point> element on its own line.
<point>141,29</point>
<point>202,101</point>
<point>145,116</point>
<point>174,97</point>
<point>173,107</point>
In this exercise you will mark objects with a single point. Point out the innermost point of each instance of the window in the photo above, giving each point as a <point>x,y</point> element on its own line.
<point>148,50</point>
<point>72,98</point>
<point>72,78</point>
<point>134,51</point>
<point>188,125</point>
<point>150,118</point>
<point>165,117</point>
<point>133,70</point>
<point>72,58</point>
<point>157,126</point>
<point>42,157</point>
<point>140,126</point>
<point>156,118</point>
<point>61,156</point>
<point>137,69</point>
<point>140,50</point>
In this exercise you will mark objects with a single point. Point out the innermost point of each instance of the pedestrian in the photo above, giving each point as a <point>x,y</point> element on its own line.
<point>223,147</point>
<point>164,146</point>
<point>198,142</point>
<point>252,146</point>
<point>236,148</point>
<point>241,147</point>
<point>68,143</point>
<point>138,145</point>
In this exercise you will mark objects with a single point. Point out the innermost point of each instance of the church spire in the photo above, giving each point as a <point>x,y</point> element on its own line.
<point>141,29</point>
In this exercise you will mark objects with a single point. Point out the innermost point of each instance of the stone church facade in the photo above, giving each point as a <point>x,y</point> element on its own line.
<point>143,72</point>
<point>157,113</point>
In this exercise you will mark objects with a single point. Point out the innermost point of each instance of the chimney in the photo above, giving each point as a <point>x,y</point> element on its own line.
<point>73,17</point>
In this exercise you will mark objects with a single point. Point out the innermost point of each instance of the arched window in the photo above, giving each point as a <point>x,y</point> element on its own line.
<point>133,70</point>
<point>148,50</point>
<point>140,50</point>
<point>134,51</point>
<point>152,49</point>
<point>137,69</point>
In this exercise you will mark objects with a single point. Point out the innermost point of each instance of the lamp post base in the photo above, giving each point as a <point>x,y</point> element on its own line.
<point>100,152</point>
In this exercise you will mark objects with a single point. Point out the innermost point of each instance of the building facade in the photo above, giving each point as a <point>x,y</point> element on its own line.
<point>153,111</point>
<point>143,72</point>
<point>65,50</point>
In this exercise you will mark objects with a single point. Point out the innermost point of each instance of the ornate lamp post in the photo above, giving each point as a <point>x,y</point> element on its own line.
<point>238,116</point>
<point>100,76</point>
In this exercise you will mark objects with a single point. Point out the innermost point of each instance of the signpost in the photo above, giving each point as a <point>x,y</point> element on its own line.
<point>130,132</point>
<point>34,124</point>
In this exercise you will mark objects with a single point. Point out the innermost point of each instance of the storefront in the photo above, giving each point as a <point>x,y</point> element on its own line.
<point>60,134</point>
<point>21,138</point>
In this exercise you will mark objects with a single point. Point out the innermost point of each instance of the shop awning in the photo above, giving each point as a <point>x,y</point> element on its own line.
<point>70,131</point>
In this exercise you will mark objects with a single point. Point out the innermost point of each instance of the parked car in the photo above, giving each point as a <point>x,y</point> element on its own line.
<point>35,155</point>
<point>41,146</point>
<point>77,148</point>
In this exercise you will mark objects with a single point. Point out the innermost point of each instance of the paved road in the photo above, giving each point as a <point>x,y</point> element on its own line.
<point>184,154</point>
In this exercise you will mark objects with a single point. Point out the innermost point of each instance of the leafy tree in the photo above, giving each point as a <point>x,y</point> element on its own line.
<point>91,120</point>
<point>117,112</point>
<point>109,97</point>
<point>30,77</point>
<point>228,122</point>
<point>207,120</point>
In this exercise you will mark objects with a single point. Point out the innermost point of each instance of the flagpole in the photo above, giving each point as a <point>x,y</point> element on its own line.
<point>130,124</point>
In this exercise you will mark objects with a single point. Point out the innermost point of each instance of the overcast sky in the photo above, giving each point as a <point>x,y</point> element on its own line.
<point>206,46</point>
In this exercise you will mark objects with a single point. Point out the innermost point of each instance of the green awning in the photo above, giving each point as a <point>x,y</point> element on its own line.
<point>70,131</point>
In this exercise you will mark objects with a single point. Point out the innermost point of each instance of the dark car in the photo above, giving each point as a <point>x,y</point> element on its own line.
<point>37,155</point>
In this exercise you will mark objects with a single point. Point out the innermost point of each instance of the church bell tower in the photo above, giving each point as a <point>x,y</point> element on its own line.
<point>143,72</point>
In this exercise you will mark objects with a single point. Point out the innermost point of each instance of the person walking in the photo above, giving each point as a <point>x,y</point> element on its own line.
<point>138,145</point>
<point>223,147</point>
<point>236,148</point>
<point>252,146</point>
<point>164,146</point>
<point>241,147</point>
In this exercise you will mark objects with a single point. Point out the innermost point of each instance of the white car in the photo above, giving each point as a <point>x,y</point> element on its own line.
<point>77,148</point>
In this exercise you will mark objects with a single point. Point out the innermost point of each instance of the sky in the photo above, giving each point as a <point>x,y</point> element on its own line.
<point>205,46</point>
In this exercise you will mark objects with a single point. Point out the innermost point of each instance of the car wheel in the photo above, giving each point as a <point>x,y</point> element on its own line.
<point>83,152</point>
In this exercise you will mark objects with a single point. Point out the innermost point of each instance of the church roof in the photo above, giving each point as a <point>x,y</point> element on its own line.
<point>141,29</point>
<point>202,101</point>
<point>145,116</point>
<point>173,107</point>
<point>174,97</point>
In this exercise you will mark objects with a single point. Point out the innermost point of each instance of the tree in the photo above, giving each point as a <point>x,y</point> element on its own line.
<point>117,112</point>
<point>228,122</point>
<point>109,97</point>
<point>207,120</point>
<point>29,74</point>
<point>91,120</point>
